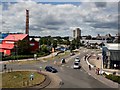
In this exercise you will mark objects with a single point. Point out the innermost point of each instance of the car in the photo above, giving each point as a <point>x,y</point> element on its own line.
<point>77,59</point>
<point>71,54</point>
<point>50,69</point>
<point>63,61</point>
<point>76,65</point>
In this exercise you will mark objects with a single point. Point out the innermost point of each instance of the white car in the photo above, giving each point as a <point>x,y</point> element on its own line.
<point>76,65</point>
<point>77,59</point>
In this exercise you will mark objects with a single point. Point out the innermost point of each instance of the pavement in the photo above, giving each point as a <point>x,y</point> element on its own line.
<point>101,78</point>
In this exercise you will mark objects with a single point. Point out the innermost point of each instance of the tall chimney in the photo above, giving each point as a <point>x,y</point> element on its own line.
<point>27,22</point>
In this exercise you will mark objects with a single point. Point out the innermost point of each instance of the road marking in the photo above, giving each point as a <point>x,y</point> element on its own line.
<point>72,67</point>
<point>61,69</point>
<point>89,74</point>
<point>63,65</point>
<point>67,66</point>
<point>43,61</point>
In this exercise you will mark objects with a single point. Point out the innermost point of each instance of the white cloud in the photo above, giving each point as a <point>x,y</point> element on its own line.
<point>48,19</point>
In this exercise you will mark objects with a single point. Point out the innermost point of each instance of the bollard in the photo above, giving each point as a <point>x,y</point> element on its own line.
<point>11,69</point>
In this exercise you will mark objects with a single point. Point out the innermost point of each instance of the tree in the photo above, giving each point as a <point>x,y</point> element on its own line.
<point>72,45</point>
<point>44,49</point>
<point>77,43</point>
<point>54,44</point>
<point>23,47</point>
<point>49,42</point>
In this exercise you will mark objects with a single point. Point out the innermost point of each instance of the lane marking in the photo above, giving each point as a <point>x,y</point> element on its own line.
<point>67,66</point>
<point>43,60</point>
<point>89,74</point>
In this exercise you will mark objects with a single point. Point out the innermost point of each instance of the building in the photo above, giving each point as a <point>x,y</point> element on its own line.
<point>8,43</point>
<point>77,33</point>
<point>34,45</point>
<point>111,56</point>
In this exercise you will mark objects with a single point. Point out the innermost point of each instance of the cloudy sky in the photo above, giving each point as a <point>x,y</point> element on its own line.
<point>60,18</point>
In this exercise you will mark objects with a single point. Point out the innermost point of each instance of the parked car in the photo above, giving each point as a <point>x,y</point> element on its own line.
<point>77,59</point>
<point>76,65</point>
<point>50,69</point>
<point>71,54</point>
<point>63,61</point>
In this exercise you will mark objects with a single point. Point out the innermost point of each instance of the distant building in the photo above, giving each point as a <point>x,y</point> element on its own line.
<point>77,33</point>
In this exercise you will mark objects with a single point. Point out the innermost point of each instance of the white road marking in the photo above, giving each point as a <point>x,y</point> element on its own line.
<point>61,69</point>
<point>43,60</point>
<point>89,74</point>
<point>67,66</point>
<point>63,65</point>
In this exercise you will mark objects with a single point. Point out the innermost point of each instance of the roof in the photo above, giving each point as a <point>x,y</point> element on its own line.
<point>15,37</point>
<point>113,46</point>
<point>6,46</point>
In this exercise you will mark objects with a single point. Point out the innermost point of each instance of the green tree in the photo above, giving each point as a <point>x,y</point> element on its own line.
<point>44,49</point>
<point>23,47</point>
<point>54,43</point>
<point>77,42</point>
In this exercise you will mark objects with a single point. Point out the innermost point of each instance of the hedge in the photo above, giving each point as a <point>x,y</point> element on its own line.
<point>17,57</point>
<point>113,78</point>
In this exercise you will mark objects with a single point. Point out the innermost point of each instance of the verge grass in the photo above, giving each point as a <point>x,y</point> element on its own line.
<point>20,79</point>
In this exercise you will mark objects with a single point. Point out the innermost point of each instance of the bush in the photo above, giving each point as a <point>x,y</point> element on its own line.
<point>17,57</point>
<point>113,78</point>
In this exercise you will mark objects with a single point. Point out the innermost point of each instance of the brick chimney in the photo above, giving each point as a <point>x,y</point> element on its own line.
<point>27,22</point>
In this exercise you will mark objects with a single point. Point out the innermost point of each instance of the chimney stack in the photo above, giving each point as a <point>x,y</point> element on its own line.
<point>27,22</point>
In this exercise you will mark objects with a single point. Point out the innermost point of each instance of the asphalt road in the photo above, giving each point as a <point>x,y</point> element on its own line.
<point>72,78</point>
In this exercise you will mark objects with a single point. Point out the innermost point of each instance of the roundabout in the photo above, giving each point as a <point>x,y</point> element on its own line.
<point>22,79</point>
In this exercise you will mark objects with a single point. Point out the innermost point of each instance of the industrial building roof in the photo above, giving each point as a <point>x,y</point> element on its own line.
<point>15,37</point>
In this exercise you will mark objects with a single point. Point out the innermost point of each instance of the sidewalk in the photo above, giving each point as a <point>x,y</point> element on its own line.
<point>98,77</point>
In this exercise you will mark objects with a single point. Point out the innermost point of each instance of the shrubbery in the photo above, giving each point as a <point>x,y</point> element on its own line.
<point>17,57</point>
<point>113,78</point>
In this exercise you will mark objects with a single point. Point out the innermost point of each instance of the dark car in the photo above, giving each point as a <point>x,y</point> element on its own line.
<point>51,69</point>
<point>72,54</point>
<point>63,61</point>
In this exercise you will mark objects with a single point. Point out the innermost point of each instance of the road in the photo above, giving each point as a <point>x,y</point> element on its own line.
<point>72,78</point>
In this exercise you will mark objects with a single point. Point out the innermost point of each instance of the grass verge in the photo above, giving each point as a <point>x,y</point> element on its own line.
<point>20,79</point>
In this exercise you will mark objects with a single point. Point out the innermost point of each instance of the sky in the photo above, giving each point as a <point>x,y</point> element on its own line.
<point>59,18</point>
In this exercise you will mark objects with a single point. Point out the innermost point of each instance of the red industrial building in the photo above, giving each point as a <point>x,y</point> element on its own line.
<point>7,46</point>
